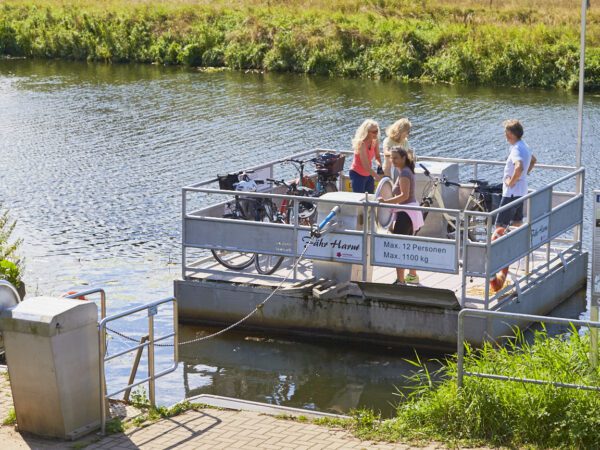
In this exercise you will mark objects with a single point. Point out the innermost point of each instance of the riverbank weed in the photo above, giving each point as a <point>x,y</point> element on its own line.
<point>11,266</point>
<point>504,413</point>
<point>449,41</point>
<point>11,417</point>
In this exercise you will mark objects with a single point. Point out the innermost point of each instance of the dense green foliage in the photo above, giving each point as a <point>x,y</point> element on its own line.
<point>383,39</point>
<point>499,412</point>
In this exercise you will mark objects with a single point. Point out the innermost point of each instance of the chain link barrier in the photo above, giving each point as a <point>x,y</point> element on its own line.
<point>233,325</point>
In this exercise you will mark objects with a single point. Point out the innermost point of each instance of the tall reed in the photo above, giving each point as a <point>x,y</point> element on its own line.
<point>503,413</point>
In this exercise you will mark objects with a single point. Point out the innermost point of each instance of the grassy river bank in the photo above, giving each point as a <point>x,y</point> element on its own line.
<point>500,413</point>
<point>531,43</point>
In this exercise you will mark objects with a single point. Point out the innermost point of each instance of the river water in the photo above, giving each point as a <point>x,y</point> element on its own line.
<point>93,157</point>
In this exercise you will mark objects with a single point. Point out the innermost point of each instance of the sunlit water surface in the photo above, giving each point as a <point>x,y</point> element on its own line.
<point>93,158</point>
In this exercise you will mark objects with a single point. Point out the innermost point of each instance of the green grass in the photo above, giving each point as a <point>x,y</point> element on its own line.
<point>448,41</point>
<point>115,425</point>
<point>11,417</point>
<point>150,414</point>
<point>500,413</point>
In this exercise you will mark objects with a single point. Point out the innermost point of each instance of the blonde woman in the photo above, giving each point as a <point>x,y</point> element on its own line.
<point>397,136</point>
<point>366,148</point>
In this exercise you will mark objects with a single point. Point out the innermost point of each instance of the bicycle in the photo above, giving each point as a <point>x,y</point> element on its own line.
<point>307,210</point>
<point>480,200</point>
<point>243,208</point>
<point>327,166</point>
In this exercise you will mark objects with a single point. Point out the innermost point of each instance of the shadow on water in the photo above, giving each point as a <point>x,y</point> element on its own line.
<point>325,376</point>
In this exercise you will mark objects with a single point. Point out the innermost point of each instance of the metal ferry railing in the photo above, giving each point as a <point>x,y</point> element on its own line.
<point>549,218</point>
<point>492,315</point>
<point>545,223</point>
<point>149,344</point>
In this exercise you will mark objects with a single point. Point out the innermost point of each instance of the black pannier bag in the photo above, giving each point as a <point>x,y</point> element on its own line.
<point>492,194</point>
<point>227,182</point>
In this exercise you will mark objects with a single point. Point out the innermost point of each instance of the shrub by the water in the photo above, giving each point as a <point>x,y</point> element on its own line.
<point>503,413</point>
<point>11,266</point>
<point>427,41</point>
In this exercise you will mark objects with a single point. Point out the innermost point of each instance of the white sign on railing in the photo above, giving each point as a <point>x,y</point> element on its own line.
<point>332,246</point>
<point>540,231</point>
<point>413,254</point>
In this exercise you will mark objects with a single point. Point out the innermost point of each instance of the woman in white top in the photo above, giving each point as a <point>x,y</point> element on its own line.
<point>397,136</point>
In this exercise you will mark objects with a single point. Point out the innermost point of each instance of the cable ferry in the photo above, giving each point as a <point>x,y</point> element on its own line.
<point>292,253</point>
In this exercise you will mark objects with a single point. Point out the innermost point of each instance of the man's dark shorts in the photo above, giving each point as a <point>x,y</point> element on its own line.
<point>514,214</point>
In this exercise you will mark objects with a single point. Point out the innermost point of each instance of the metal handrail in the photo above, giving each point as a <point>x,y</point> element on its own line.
<point>506,315</point>
<point>474,162</point>
<point>528,195</point>
<point>320,200</point>
<point>90,292</point>
<point>268,164</point>
<point>152,309</point>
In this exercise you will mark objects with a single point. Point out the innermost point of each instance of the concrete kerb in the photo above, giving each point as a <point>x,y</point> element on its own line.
<point>236,404</point>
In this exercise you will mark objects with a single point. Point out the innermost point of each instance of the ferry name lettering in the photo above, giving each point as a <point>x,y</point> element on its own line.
<point>336,244</point>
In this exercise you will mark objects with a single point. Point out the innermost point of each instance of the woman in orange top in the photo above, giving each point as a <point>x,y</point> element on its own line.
<point>366,147</point>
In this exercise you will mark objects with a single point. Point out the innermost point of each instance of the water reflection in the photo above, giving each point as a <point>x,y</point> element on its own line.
<point>335,378</point>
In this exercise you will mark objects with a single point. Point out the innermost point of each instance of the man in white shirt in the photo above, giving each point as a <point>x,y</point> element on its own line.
<point>519,164</point>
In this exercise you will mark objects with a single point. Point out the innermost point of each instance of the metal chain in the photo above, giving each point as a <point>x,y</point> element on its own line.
<point>257,307</point>
<point>243,319</point>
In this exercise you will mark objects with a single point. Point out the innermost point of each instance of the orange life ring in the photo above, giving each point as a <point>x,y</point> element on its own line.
<point>497,282</point>
<point>66,294</point>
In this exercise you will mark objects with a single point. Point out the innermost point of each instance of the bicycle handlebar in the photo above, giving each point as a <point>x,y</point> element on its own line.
<point>297,161</point>
<point>451,183</point>
<point>277,182</point>
<point>425,171</point>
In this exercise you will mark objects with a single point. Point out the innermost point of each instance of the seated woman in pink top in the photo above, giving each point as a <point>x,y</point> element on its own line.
<point>366,148</point>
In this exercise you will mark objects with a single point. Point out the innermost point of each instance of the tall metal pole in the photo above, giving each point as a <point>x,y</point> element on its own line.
<point>579,182</point>
<point>584,7</point>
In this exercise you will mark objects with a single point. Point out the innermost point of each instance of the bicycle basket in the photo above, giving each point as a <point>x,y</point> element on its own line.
<point>330,163</point>
<point>227,182</point>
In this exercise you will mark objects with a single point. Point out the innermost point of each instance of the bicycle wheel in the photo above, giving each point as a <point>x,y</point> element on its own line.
<point>307,210</point>
<point>231,259</point>
<point>234,260</point>
<point>268,264</point>
<point>477,225</point>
